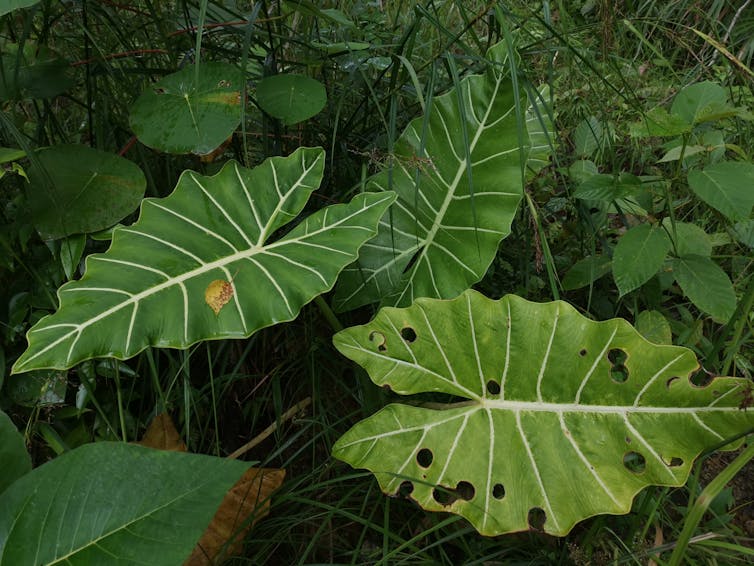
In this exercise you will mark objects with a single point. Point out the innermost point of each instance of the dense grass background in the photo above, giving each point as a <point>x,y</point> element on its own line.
<point>603,62</point>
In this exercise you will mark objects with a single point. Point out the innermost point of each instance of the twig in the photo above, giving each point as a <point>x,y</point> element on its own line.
<point>288,415</point>
<point>733,22</point>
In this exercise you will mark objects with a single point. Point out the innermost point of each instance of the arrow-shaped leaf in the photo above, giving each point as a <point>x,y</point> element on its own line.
<point>560,417</point>
<point>157,284</point>
<point>451,213</point>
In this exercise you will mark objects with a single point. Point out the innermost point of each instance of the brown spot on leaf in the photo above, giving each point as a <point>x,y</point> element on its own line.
<point>217,294</point>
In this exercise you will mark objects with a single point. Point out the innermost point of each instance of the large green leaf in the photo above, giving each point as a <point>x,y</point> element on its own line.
<point>76,509</point>
<point>177,115</point>
<point>13,455</point>
<point>559,416</point>
<point>702,102</point>
<point>207,241</point>
<point>726,186</point>
<point>443,231</point>
<point>81,190</point>
<point>10,5</point>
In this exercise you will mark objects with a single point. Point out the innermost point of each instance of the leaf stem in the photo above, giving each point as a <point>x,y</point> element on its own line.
<point>328,313</point>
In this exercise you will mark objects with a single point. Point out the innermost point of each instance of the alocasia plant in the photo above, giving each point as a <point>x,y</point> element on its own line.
<point>555,417</point>
<point>153,286</point>
<point>457,172</point>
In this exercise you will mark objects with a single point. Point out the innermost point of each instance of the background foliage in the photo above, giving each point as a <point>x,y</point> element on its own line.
<point>650,104</point>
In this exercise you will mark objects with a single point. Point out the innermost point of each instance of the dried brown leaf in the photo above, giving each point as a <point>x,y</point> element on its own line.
<point>245,503</point>
<point>162,435</point>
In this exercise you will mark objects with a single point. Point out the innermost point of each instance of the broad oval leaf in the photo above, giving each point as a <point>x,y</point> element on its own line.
<point>702,102</point>
<point>726,186</point>
<point>81,190</point>
<point>178,116</point>
<point>706,285</point>
<point>444,229</point>
<point>291,98</point>
<point>150,287</point>
<point>75,510</point>
<point>559,415</point>
<point>638,255</point>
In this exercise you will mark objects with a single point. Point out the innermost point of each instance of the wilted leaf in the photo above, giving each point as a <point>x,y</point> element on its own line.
<point>246,503</point>
<point>219,292</point>
<point>162,435</point>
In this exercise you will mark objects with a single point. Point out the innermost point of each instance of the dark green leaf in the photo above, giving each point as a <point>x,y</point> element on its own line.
<point>639,254</point>
<point>77,510</point>
<point>706,285</point>
<point>586,271</point>
<point>657,122</point>
<point>177,116</point>
<point>291,98</point>
<point>90,190</point>
<point>608,187</point>
<point>15,460</point>
<point>726,186</point>
<point>7,6</point>
<point>689,239</point>
<point>38,73</point>
<point>702,102</point>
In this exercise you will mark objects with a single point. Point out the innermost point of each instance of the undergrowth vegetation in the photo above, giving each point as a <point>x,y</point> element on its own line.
<point>621,141</point>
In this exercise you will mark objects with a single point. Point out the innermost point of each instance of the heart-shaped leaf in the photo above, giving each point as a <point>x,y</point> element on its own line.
<point>291,98</point>
<point>75,510</point>
<point>82,190</point>
<point>453,207</point>
<point>179,115</point>
<point>560,417</point>
<point>151,286</point>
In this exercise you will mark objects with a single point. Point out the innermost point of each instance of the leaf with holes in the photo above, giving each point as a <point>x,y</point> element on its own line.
<point>451,213</point>
<point>150,288</point>
<point>558,418</point>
